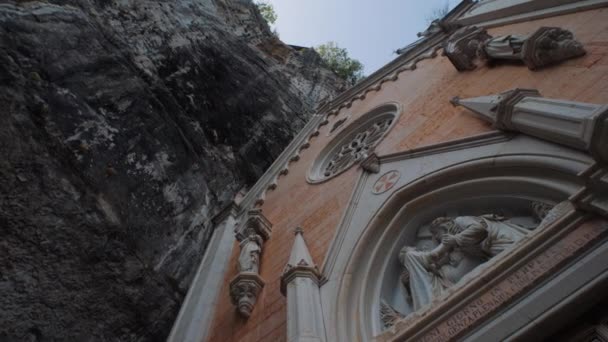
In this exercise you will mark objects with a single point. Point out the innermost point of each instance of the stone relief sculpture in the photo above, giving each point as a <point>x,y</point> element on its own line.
<point>388,314</point>
<point>462,243</point>
<point>546,46</point>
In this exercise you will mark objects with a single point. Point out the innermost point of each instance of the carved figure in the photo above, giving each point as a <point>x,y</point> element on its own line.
<point>485,235</point>
<point>503,47</point>
<point>463,243</point>
<point>546,46</point>
<point>251,248</point>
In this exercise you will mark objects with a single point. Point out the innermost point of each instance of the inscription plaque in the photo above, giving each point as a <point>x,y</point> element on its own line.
<point>539,268</point>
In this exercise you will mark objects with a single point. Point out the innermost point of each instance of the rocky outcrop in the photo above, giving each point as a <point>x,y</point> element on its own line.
<point>125,126</point>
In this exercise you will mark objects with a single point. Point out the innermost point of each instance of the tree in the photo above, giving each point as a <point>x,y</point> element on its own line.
<point>267,11</point>
<point>338,61</point>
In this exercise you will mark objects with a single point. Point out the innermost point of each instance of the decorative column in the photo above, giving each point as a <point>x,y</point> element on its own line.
<point>579,125</point>
<point>245,287</point>
<point>300,284</point>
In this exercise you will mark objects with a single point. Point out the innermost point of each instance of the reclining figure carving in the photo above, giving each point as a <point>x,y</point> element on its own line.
<point>546,46</point>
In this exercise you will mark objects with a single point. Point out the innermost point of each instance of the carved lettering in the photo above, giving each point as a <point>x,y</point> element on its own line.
<point>516,284</point>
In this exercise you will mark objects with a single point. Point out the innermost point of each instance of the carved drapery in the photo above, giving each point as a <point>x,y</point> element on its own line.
<point>546,46</point>
<point>460,244</point>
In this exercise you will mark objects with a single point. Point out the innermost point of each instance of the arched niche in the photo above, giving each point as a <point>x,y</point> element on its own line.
<point>506,184</point>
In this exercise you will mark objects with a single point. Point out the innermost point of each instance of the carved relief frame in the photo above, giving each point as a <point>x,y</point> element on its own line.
<point>546,172</point>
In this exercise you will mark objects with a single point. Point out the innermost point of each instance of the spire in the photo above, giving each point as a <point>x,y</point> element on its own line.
<point>300,262</point>
<point>300,256</point>
<point>496,109</point>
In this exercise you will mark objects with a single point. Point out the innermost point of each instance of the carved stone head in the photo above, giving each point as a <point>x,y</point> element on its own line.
<point>441,226</point>
<point>244,290</point>
<point>551,45</point>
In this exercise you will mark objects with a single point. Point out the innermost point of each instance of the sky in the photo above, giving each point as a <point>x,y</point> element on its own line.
<point>371,30</point>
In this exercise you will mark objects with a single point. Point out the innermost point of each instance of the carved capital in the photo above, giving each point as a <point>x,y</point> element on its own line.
<point>550,45</point>
<point>244,291</point>
<point>371,164</point>
<point>506,103</point>
<point>257,222</point>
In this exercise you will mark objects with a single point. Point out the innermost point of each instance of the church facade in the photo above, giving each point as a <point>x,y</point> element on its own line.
<point>458,193</point>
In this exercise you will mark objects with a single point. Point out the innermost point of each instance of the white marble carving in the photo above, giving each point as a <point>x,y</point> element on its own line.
<point>463,243</point>
<point>388,314</point>
<point>251,248</point>
<point>546,46</point>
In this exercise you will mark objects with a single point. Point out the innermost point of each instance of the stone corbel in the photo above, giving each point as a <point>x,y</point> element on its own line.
<point>300,283</point>
<point>247,284</point>
<point>545,46</point>
<point>371,164</point>
<point>579,125</point>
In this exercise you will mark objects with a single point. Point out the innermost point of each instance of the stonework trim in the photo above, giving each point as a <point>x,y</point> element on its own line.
<point>454,145</point>
<point>530,12</point>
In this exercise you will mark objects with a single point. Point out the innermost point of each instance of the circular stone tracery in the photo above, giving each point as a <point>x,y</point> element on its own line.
<point>354,144</point>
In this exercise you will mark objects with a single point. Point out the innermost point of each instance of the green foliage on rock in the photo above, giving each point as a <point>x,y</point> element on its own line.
<point>267,11</point>
<point>338,60</point>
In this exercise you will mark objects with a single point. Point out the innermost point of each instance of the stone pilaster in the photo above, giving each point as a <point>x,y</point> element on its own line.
<point>300,284</point>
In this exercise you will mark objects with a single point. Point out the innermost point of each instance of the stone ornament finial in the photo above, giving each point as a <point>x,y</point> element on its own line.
<point>545,46</point>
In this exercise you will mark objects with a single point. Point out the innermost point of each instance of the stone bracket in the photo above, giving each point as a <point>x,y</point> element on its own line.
<point>244,291</point>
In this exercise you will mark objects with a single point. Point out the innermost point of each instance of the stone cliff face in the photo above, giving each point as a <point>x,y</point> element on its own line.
<point>125,126</point>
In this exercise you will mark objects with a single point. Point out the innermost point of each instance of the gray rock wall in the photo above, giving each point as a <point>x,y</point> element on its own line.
<point>124,127</point>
